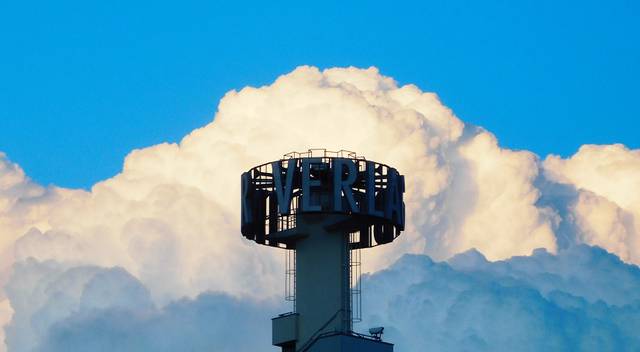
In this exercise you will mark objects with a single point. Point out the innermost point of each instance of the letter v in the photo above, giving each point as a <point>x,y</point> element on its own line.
<point>284,195</point>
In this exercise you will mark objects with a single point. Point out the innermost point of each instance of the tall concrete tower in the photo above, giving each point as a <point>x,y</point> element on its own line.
<point>323,207</point>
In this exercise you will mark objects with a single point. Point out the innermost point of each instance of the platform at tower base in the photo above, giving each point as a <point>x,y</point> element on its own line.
<point>349,343</point>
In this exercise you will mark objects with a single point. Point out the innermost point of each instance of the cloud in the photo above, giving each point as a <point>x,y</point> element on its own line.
<point>607,208</point>
<point>491,203</point>
<point>6,312</point>
<point>187,194</point>
<point>86,308</point>
<point>210,322</point>
<point>583,299</point>
<point>170,219</point>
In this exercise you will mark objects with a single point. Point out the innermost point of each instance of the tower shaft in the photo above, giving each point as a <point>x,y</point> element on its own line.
<point>323,295</point>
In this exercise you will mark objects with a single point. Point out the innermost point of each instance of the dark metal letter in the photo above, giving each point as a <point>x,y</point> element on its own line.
<point>283,195</point>
<point>247,216</point>
<point>307,183</point>
<point>371,190</point>
<point>393,207</point>
<point>340,185</point>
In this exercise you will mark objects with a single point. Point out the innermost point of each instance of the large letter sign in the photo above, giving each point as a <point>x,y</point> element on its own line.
<point>274,194</point>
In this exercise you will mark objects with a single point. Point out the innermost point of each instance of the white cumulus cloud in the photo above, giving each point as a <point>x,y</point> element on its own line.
<point>168,223</point>
<point>582,299</point>
<point>607,210</point>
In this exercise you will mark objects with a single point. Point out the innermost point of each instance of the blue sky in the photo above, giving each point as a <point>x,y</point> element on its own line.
<point>84,83</point>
